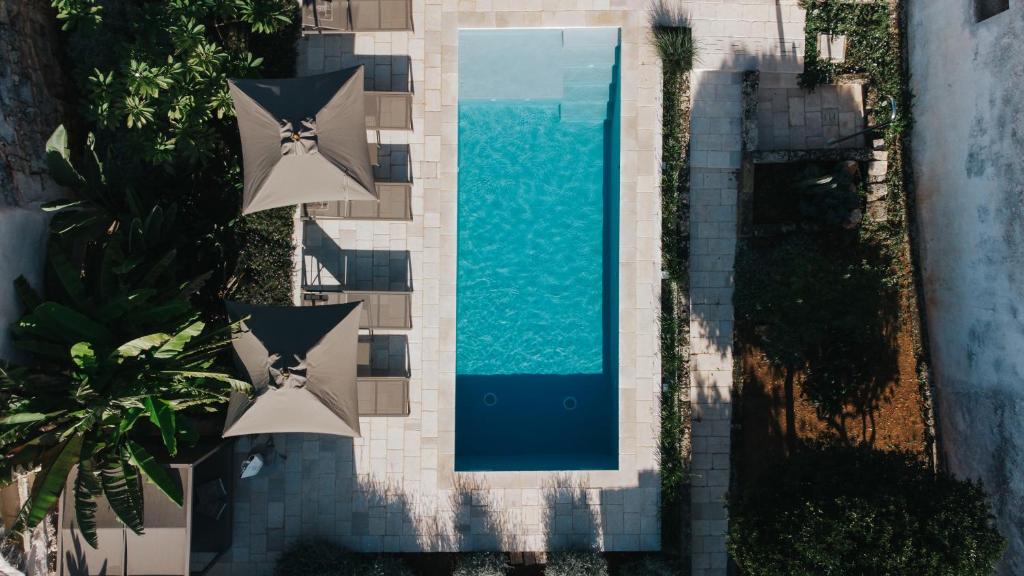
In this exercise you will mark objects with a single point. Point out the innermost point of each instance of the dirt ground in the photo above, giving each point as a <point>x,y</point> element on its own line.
<point>768,428</point>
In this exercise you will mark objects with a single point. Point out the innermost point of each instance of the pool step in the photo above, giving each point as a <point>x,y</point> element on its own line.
<point>589,74</point>
<point>577,37</point>
<point>583,92</point>
<point>585,55</point>
<point>586,112</point>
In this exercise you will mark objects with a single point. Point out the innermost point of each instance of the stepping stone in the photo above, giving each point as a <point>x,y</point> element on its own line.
<point>832,47</point>
<point>878,211</point>
<point>877,171</point>
<point>877,192</point>
<point>880,155</point>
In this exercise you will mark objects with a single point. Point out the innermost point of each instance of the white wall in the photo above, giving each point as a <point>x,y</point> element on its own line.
<point>22,247</point>
<point>968,160</point>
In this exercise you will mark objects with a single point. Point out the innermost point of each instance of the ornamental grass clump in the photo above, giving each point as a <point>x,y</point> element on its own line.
<point>481,564</point>
<point>576,563</point>
<point>672,37</point>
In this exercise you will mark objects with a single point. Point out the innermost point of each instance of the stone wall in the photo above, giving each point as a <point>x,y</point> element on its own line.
<point>32,104</point>
<point>968,162</point>
<point>32,99</point>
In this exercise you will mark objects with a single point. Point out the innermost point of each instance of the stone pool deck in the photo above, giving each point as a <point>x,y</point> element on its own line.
<point>395,489</point>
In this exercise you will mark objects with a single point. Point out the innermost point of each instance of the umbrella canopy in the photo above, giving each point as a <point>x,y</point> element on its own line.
<point>302,365</point>
<point>303,140</point>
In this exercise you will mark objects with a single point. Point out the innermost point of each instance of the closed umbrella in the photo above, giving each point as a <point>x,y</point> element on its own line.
<point>303,140</point>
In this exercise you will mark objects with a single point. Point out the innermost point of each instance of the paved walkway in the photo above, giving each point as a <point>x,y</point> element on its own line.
<point>732,37</point>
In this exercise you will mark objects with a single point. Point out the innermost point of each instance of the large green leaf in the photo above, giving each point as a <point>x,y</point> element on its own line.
<point>161,414</point>
<point>87,488</point>
<point>123,490</point>
<point>123,303</point>
<point>156,472</point>
<point>153,226</point>
<point>49,482</point>
<point>142,344</point>
<point>162,313</point>
<point>236,385</point>
<point>158,268</point>
<point>47,350</point>
<point>69,275</point>
<point>58,160</point>
<point>83,356</point>
<point>177,344</point>
<point>54,321</point>
<point>27,417</point>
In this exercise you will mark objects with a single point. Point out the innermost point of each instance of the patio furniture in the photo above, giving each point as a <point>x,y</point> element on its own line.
<point>301,362</point>
<point>304,139</point>
<point>357,15</point>
<point>381,310</point>
<point>185,540</point>
<point>383,386</point>
<point>387,396</point>
<point>395,204</point>
<point>388,110</point>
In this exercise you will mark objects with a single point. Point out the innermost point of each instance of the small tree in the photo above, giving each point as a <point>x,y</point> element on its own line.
<point>154,74</point>
<point>842,510</point>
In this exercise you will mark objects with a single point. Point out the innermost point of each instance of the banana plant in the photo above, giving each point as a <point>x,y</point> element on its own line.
<point>115,347</point>
<point>84,413</point>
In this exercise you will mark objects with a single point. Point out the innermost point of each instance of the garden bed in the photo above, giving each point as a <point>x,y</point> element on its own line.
<point>828,337</point>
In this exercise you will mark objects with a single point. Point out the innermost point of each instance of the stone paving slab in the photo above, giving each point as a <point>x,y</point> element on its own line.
<point>732,37</point>
<point>790,118</point>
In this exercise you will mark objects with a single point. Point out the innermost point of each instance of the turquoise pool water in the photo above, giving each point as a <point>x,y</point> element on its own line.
<point>537,250</point>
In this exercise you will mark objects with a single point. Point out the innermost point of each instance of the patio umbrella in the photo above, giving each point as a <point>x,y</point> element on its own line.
<point>302,365</point>
<point>303,140</point>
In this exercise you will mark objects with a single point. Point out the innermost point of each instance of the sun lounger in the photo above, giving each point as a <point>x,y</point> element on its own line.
<point>388,110</point>
<point>381,310</point>
<point>357,15</point>
<point>383,387</point>
<point>395,204</point>
<point>383,396</point>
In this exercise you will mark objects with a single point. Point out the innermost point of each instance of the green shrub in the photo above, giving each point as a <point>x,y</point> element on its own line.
<point>576,563</point>
<point>321,557</point>
<point>651,565</point>
<point>154,74</point>
<point>153,81</point>
<point>481,564</point>
<point>842,510</point>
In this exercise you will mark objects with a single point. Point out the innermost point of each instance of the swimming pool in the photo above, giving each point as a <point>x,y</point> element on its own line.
<point>536,338</point>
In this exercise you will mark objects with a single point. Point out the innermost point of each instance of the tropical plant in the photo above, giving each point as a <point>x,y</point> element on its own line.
<point>116,343</point>
<point>843,510</point>
<point>154,74</point>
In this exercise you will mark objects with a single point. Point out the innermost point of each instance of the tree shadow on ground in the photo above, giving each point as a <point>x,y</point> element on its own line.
<point>817,321</point>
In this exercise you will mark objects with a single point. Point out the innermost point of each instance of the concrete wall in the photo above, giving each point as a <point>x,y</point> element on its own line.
<point>968,160</point>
